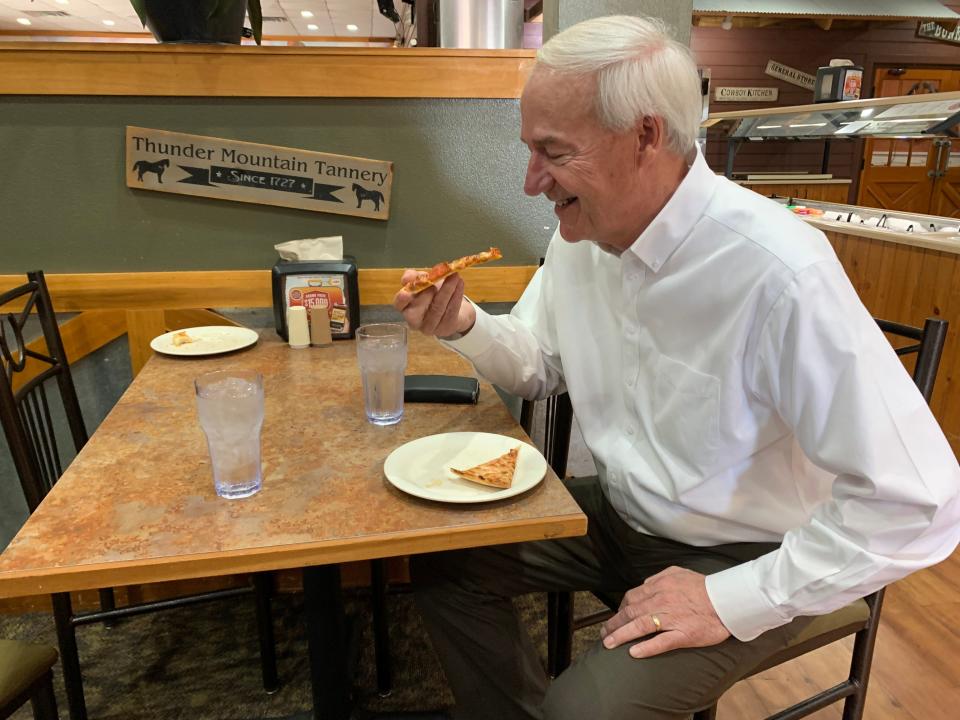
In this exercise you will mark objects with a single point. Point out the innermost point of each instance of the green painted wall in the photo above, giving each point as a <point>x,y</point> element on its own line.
<point>458,184</point>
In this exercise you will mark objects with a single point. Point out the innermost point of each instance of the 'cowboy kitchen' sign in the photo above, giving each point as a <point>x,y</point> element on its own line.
<point>250,172</point>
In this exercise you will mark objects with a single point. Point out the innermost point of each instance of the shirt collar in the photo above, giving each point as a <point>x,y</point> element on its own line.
<point>678,217</point>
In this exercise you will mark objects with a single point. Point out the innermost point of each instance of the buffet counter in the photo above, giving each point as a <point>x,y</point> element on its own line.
<point>905,268</point>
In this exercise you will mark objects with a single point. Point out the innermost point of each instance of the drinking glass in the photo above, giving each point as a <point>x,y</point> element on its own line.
<point>230,407</point>
<point>382,353</point>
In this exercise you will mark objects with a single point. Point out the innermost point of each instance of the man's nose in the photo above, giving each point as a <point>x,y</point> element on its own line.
<point>538,180</point>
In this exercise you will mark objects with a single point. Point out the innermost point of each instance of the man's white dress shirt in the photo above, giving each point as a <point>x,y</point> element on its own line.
<point>732,388</point>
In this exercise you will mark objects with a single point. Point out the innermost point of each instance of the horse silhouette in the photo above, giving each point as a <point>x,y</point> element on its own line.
<point>374,196</point>
<point>142,166</point>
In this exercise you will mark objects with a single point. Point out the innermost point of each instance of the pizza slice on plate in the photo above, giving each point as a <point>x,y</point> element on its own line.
<point>496,473</point>
<point>181,338</point>
<point>438,272</point>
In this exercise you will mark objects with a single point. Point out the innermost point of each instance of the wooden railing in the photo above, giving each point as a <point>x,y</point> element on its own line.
<point>144,305</point>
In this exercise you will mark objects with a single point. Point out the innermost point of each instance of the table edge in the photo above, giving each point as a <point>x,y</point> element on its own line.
<point>100,575</point>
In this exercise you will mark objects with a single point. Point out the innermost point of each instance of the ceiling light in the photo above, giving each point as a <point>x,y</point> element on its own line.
<point>866,113</point>
<point>306,14</point>
<point>311,26</point>
<point>24,21</point>
<point>352,28</point>
<point>109,23</point>
<point>808,125</point>
<point>727,23</point>
<point>767,127</point>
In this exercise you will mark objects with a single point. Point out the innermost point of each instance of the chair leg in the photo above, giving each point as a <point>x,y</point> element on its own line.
<point>263,589</point>
<point>381,627</point>
<point>108,602</point>
<point>44,702</point>
<point>559,632</point>
<point>69,656</point>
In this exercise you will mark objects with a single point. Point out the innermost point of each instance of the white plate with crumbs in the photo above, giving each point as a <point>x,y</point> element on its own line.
<point>198,341</point>
<point>422,467</point>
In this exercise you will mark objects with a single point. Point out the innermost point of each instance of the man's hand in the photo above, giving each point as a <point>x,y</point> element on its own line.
<point>673,608</point>
<point>439,310</point>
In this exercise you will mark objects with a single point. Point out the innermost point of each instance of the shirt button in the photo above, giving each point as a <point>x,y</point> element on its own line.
<point>629,430</point>
<point>630,381</point>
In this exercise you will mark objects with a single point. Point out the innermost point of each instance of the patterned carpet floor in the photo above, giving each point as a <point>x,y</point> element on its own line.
<point>201,663</point>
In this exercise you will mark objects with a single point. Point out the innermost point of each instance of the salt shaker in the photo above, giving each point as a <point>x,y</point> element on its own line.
<point>320,327</point>
<point>298,334</point>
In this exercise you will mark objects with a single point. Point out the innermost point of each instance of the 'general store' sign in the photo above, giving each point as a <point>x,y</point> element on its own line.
<point>747,94</point>
<point>790,75</point>
<point>254,173</point>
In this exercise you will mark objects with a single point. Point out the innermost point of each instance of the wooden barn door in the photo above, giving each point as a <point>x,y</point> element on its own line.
<point>920,176</point>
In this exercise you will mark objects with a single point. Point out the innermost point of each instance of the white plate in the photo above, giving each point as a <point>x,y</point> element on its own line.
<point>206,340</point>
<point>422,467</point>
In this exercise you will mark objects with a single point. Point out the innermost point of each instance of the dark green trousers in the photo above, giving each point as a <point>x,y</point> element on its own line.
<point>494,669</point>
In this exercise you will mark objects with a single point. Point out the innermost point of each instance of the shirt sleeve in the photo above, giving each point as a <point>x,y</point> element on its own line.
<point>518,351</point>
<point>826,367</point>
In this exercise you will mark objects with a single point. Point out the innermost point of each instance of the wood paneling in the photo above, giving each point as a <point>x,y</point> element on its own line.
<point>824,192</point>
<point>241,288</point>
<point>194,70</point>
<point>909,284</point>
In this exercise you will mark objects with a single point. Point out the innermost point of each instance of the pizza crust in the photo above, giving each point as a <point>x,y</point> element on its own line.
<point>496,473</point>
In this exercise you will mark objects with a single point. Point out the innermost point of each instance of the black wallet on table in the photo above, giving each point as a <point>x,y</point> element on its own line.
<point>440,389</point>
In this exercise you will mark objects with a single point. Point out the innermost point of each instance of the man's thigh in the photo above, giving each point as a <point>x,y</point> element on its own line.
<point>610,685</point>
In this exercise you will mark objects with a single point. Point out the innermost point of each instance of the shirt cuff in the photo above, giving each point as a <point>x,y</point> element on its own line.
<point>741,604</point>
<point>477,339</point>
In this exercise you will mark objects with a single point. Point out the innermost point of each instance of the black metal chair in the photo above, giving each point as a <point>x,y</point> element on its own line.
<point>29,427</point>
<point>26,674</point>
<point>860,619</point>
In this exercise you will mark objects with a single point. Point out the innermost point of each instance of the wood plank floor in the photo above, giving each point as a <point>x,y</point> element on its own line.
<point>916,666</point>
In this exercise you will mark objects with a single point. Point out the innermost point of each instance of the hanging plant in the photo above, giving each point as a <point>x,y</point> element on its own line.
<point>199,20</point>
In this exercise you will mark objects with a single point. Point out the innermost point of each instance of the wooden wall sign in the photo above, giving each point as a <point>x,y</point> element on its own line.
<point>747,94</point>
<point>254,173</point>
<point>790,75</point>
<point>935,31</point>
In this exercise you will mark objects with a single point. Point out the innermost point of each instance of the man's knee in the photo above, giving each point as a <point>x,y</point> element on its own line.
<point>610,685</point>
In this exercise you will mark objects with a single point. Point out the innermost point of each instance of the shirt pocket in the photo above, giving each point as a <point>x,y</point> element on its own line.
<point>686,418</point>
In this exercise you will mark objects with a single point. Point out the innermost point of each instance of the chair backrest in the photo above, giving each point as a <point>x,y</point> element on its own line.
<point>558,422</point>
<point>25,411</point>
<point>931,338</point>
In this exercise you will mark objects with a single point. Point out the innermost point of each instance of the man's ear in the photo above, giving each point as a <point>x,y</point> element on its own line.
<point>651,134</point>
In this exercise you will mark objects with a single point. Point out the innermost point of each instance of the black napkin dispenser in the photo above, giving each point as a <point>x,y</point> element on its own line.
<point>327,285</point>
<point>451,389</point>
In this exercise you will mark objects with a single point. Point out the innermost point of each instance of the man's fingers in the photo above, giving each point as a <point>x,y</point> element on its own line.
<point>448,323</point>
<point>439,304</point>
<point>659,643</point>
<point>621,632</point>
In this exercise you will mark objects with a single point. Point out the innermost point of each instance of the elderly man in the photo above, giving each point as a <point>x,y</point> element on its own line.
<point>763,456</point>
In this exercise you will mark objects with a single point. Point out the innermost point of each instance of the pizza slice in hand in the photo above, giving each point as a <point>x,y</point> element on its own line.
<point>438,272</point>
<point>496,473</point>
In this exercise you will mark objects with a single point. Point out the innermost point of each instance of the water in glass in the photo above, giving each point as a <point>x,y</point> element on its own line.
<point>231,415</point>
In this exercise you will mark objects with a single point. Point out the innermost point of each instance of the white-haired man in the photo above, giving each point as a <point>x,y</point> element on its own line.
<point>763,456</point>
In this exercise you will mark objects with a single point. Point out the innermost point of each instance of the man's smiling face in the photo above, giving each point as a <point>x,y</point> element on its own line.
<point>589,172</point>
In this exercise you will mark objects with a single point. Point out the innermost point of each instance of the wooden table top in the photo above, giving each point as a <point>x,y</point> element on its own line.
<point>137,504</point>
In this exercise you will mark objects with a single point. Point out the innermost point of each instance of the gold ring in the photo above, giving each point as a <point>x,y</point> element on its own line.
<point>656,623</point>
